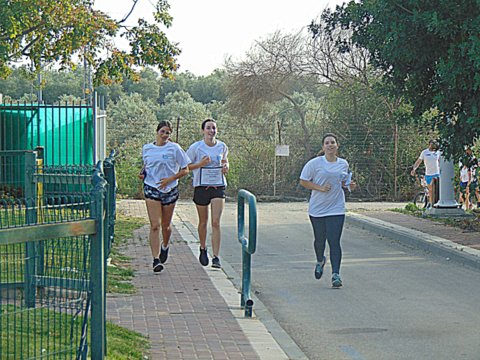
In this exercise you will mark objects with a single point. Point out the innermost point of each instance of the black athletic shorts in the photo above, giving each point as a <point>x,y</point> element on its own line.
<point>202,195</point>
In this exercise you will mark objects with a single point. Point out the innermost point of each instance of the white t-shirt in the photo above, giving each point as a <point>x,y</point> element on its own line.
<point>320,171</point>
<point>217,153</point>
<point>431,161</point>
<point>464,174</point>
<point>162,162</point>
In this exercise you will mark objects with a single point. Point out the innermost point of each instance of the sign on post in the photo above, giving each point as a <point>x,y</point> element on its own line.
<point>282,150</point>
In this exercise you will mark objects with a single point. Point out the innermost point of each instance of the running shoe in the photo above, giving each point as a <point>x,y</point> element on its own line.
<point>336,280</point>
<point>319,268</point>
<point>203,257</point>
<point>157,267</point>
<point>216,263</point>
<point>163,254</point>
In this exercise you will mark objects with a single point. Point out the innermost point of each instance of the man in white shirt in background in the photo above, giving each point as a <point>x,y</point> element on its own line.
<point>431,160</point>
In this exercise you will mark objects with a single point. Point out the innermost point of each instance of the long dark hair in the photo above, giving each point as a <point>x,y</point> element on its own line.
<point>321,152</point>
<point>164,123</point>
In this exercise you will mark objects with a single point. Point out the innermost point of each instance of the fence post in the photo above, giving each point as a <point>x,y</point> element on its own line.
<point>30,218</point>
<point>110,204</point>
<point>40,245</point>
<point>97,264</point>
<point>110,213</point>
<point>249,245</point>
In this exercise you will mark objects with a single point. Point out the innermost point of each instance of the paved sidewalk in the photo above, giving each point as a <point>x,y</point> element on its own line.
<point>187,311</point>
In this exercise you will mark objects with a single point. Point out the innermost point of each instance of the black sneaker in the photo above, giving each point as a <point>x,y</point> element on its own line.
<point>163,254</point>
<point>216,263</point>
<point>203,257</point>
<point>157,267</point>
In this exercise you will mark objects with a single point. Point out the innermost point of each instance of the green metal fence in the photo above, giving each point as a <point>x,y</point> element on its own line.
<point>53,250</point>
<point>65,131</point>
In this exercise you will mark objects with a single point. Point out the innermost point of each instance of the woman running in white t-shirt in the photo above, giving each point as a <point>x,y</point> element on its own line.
<point>209,165</point>
<point>327,176</point>
<point>164,162</point>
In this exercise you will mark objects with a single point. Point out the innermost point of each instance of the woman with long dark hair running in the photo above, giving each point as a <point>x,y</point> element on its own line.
<point>327,176</point>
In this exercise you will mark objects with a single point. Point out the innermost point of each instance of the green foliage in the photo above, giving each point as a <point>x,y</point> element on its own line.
<point>131,124</point>
<point>148,85</point>
<point>48,31</point>
<point>120,273</point>
<point>16,85</point>
<point>180,106</point>
<point>203,89</point>
<point>131,117</point>
<point>429,51</point>
<point>411,207</point>
<point>124,344</point>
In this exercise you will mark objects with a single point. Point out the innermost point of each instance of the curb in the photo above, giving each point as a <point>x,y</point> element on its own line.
<point>261,313</point>
<point>430,243</point>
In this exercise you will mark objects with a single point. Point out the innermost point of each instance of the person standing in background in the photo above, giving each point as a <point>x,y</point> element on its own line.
<point>464,196</point>
<point>469,163</point>
<point>431,159</point>
<point>164,162</point>
<point>209,165</point>
<point>327,175</point>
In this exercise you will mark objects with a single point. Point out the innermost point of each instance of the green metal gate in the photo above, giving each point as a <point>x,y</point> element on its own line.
<point>53,250</point>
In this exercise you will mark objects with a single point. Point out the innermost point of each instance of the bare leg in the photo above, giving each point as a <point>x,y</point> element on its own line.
<point>430,193</point>
<point>167,214</point>
<point>217,210</point>
<point>154,210</point>
<point>467,199</point>
<point>202,211</point>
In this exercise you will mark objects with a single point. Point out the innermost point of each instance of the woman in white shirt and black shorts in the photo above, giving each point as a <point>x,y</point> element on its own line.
<point>209,165</point>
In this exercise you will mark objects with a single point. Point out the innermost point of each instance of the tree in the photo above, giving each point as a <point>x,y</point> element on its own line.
<point>131,124</point>
<point>204,89</point>
<point>207,89</point>
<point>18,84</point>
<point>148,85</point>
<point>186,116</point>
<point>55,31</point>
<point>429,52</point>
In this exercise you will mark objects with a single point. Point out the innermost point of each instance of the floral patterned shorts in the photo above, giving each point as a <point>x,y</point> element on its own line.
<point>153,193</point>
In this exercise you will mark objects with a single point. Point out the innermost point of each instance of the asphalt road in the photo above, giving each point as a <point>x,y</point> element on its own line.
<point>396,303</point>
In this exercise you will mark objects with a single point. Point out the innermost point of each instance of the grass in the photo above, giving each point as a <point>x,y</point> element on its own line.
<point>41,332</point>
<point>120,274</point>
<point>125,344</point>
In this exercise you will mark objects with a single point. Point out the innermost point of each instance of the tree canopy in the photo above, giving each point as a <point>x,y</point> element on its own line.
<point>59,31</point>
<point>429,51</point>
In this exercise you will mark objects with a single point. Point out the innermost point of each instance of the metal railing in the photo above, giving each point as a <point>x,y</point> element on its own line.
<point>53,254</point>
<point>249,245</point>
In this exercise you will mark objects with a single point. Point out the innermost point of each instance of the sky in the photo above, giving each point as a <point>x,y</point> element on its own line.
<point>208,31</point>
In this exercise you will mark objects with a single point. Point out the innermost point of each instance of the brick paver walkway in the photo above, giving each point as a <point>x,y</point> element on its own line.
<point>179,309</point>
